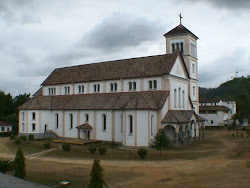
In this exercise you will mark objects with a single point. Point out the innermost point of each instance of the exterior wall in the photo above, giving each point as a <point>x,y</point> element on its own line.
<point>129,138</point>
<point>214,119</point>
<point>176,84</point>
<point>101,134</point>
<point>82,120</point>
<point>76,89</point>
<point>193,95</point>
<point>142,129</point>
<point>146,83</point>
<point>5,128</point>
<point>68,131</point>
<point>178,69</point>
<point>126,84</point>
<point>108,88</point>
<point>118,126</point>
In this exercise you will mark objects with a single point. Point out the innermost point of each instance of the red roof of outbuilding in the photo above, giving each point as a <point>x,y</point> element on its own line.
<point>5,123</point>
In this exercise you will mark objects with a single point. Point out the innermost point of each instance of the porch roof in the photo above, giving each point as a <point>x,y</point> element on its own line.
<point>178,116</point>
<point>85,126</point>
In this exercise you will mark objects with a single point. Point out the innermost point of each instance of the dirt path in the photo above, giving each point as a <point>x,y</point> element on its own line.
<point>228,144</point>
<point>3,148</point>
<point>35,155</point>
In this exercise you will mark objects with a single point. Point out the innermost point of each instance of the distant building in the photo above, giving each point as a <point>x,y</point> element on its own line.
<point>5,127</point>
<point>217,113</point>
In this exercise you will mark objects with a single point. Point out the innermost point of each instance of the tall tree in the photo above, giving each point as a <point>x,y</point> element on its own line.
<point>19,164</point>
<point>161,141</point>
<point>96,176</point>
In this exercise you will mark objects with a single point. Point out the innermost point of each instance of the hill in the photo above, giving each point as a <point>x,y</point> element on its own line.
<point>237,90</point>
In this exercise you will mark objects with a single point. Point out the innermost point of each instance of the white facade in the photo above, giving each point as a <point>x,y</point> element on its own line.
<point>131,127</point>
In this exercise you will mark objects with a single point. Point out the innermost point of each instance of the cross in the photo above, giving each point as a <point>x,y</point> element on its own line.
<point>180,18</point>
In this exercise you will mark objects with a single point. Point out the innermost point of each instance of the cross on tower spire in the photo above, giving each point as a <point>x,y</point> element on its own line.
<point>180,18</point>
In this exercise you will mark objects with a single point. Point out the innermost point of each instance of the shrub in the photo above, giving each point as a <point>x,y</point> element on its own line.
<point>17,140</point>
<point>31,137</point>
<point>92,149</point>
<point>12,136</point>
<point>102,150</point>
<point>142,152</point>
<point>7,134</point>
<point>23,137</point>
<point>66,146</point>
<point>46,145</point>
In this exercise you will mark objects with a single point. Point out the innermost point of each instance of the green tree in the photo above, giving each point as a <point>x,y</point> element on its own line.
<point>96,176</point>
<point>161,141</point>
<point>19,164</point>
<point>6,166</point>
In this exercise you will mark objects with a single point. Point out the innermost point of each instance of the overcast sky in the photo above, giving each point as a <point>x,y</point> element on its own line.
<point>37,36</point>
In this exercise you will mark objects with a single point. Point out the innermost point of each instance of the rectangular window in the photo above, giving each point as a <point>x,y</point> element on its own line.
<point>3,129</point>
<point>193,68</point>
<point>193,50</point>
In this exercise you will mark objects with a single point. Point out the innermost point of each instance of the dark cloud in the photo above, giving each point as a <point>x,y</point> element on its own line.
<point>229,4</point>
<point>121,30</point>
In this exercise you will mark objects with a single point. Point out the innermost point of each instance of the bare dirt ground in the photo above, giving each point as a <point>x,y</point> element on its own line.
<point>221,169</point>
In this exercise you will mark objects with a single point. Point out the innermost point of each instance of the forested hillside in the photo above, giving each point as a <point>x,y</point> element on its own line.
<point>9,105</point>
<point>237,90</point>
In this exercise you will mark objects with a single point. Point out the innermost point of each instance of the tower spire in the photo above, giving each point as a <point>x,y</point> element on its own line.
<point>180,18</point>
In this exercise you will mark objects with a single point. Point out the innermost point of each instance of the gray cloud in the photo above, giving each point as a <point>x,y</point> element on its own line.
<point>121,30</point>
<point>229,4</point>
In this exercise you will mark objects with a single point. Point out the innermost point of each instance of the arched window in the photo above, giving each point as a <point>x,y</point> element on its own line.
<point>98,87</point>
<point>86,117</point>
<point>175,98</point>
<point>22,126</point>
<point>150,84</point>
<point>23,116</point>
<point>155,84</point>
<point>179,97</point>
<point>182,49</point>
<point>33,116</point>
<point>134,85</point>
<point>104,122</point>
<point>152,124</point>
<point>33,127</point>
<point>94,87</point>
<point>81,89</point>
<point>130,85</point>
<point>57,121</point>
<point>71,121</point>
<point>121,123</point>
<point>130,124</point>
<point>111,87</point>
<point>177,46</point>
<point>183,98</point>
<point>193,90</point>
<point>173,47</point>
<point>115,86</point>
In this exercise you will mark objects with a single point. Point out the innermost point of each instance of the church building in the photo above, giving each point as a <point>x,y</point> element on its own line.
<point>125,101</point>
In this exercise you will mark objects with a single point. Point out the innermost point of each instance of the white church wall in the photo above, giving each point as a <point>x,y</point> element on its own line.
<point>85,88</point>
<point>49,118</point>
<point>146,83</point>
<point>45,90</point>
<point>102,134</point>
<point>193,91</point>
<point>90,121</point>
<point>70,132</point>
<point>101,83</point>
<point>193,70</point>
<point>108,87</point>
<point>142,128</point>
<point>153,131</point>
<point>30,121</point>
<point>175,84</point>
<point>62,89</point>
<point>130,138</point>
<point>179,69</point>
<point>126,84</point>
<point>118,126</point>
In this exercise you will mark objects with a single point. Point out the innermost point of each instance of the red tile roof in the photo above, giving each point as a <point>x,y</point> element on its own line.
<point>5,123</point>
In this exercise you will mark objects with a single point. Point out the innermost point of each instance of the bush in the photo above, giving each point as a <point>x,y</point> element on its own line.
<point>92,149</point>
<point>142,152</point>
<point>66,146</point>
<point>7,134</point>
<point>23,137</point>
<point>31,137</point>
<point>102,150</point>
<point>46,145</point>
<point>12,136</point>
<point>17,140</point>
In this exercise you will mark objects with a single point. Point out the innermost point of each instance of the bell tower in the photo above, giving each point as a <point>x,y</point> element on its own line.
<point>180,38</point>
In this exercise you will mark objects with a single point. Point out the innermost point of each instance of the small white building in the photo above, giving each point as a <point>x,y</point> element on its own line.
<point>217,113</point>
<point>5,127</point>
<point>124,101</point>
